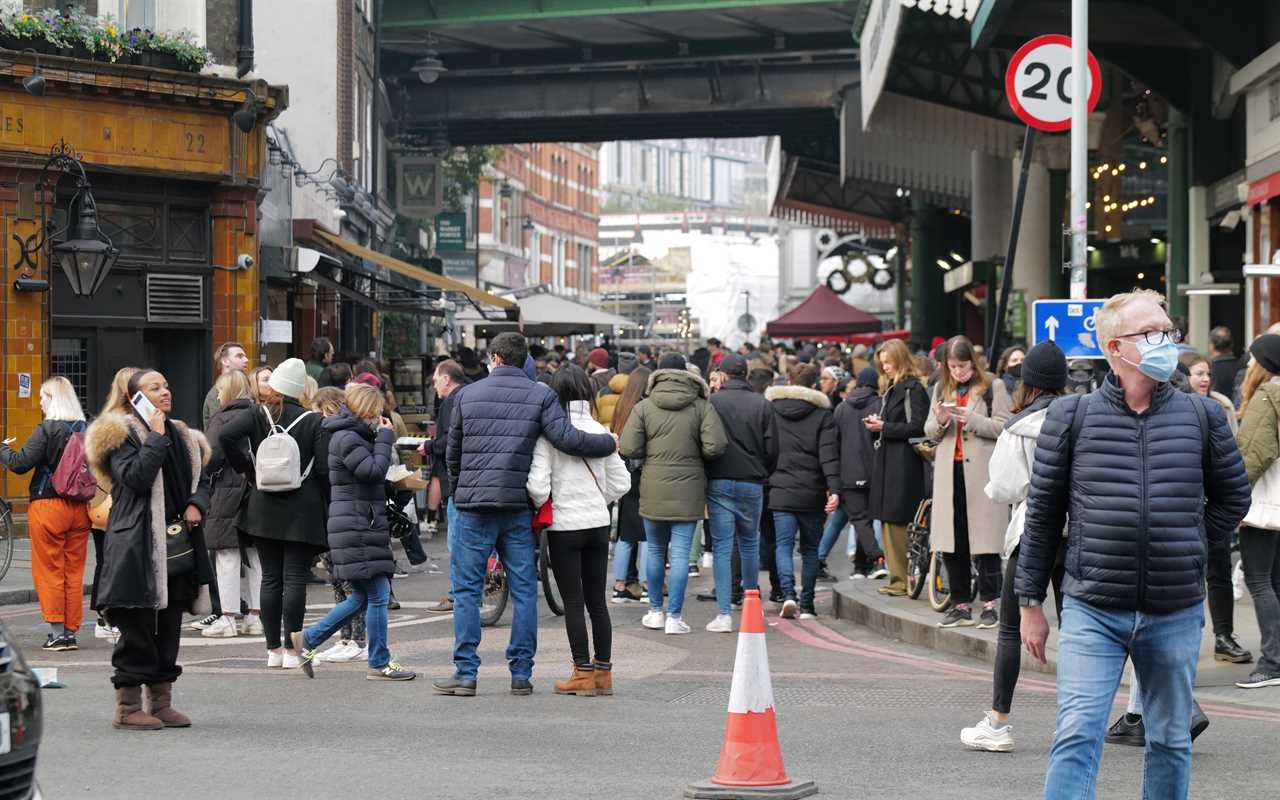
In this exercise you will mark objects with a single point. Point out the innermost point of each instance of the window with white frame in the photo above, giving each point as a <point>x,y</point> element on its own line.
<point>157,15</point>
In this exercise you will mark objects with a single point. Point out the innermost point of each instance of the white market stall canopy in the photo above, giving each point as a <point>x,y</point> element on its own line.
<point>546,314</point>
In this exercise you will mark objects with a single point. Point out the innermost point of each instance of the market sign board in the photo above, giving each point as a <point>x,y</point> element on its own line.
<point>419,187</point>
<point>451,231</point>
<point>879,35</point>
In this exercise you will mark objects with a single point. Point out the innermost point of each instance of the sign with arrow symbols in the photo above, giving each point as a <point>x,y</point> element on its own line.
<point>1070,323</point>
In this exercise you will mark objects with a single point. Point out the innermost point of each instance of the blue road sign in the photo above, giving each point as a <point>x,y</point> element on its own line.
<point>1070,323</point>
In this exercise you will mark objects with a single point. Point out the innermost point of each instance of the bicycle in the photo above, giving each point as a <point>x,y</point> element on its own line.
<point>924,566</point>
<point>497,591</point>
<point>6,538</point>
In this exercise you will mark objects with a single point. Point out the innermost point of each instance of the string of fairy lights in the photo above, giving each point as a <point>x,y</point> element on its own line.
<point>1114,207</point>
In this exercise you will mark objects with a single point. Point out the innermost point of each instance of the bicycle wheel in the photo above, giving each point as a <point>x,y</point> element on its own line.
<point>917,570</point>
<point>6,539</point>
<point>548,577</point>
<point>939,590</point>
<point>496,591</point>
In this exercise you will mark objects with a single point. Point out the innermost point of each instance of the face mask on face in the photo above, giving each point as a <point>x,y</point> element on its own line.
<point>1158,360</point>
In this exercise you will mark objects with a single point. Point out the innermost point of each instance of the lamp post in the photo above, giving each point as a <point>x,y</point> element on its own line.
<point>85,254</point>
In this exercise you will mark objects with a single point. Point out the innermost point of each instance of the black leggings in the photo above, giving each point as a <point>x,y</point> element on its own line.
<point>1222,602</point>
<point>959,573</point>
<point>286,567</point>
<point>1009,636</point>
<point>580,560</point>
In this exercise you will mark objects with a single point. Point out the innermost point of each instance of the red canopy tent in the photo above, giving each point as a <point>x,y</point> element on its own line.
<point>823,315</point>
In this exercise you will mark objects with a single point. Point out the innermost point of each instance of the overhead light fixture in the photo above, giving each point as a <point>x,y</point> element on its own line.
<point>528,224</point>
<point>506,191</point>
<point>439,143</point>
<point>34,83</point>
<point>87,258</point>
<point>1142,275</point>
<point>246,116</point>
<point>943,264</point>
<point>1092,249</point>
<point>956,257</point>
<point>429,68</point>
<point>1210,290</point>
<point>1155,240</point>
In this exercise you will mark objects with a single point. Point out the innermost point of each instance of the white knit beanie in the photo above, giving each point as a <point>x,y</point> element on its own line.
<point>290,378</point>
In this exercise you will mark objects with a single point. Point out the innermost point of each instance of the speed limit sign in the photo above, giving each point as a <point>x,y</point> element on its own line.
<point>1038,83</point>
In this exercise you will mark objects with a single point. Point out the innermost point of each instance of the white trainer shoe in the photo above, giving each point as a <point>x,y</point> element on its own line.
<point>109,632</point>
<point>290,661</point>
<point>224,628</point>
<point>654,619</point>
<point>986,736</point>
<point>251,625</point>
<point>789,608</point>
<point>274,660</point>
<point>358,653</point>
<point>676,625</point>
<point>723,623</point>
<point>334,654</point>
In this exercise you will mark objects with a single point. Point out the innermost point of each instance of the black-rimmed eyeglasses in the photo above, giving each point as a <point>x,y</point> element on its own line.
<point>1156,337</point>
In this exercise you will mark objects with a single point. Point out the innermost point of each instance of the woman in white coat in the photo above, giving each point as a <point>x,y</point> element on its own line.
<point>1044,376</point>
<point>580,491</point>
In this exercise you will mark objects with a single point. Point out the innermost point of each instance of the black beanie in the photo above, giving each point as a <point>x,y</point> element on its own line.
<point>672,361</point>
<point>868,378</point>
<point>1266,351</point>
<point>1045,367</point>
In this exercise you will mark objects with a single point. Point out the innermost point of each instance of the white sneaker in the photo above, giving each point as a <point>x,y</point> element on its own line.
<point>101,631</point>
<point>985,736</point>
<point>290,661</point>
<point>335,654</point>
<point>707,560</point>
<point>677,625</point>
<point>723,623</point>
<point>789,607</point>
<point>251,625</point>
<point>224,628</point>
<point>808,615</point>
<point>358,653</point>
<point>879,572</point>
<point>274,660</point>
<point>654,619</point>
<point>201,624</point>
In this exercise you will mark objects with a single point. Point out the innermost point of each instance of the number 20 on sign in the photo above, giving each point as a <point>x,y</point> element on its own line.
<point>1038,83</point>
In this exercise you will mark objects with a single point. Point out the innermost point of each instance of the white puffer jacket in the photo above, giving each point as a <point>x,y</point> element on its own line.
<point>1010,471</point>
<point>580,489</point>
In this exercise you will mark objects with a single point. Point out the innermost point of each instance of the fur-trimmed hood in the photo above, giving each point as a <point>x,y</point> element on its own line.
<point>811,396</point>
<point>674,389</point>
<point>109,431</point>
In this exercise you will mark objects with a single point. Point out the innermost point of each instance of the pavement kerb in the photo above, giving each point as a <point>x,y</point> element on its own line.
<point>897,617</point>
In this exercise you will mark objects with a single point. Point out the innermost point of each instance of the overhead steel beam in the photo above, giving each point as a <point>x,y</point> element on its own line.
<point>404,14</point>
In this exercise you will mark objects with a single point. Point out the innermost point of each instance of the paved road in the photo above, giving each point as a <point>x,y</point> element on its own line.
<point>862,715</point>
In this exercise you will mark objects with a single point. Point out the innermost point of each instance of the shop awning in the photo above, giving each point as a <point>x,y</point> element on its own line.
<point>409,302</point>
<point>409,271</point>
<point>550,309</point>
<point>823,315</point>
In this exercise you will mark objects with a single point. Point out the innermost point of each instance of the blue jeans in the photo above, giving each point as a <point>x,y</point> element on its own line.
<point>836,522</point>
<point>786,524</point>
<point>622,558</point>
<point>451,532</point>
<point>1092,649</point>
<point>479,534</point>
<point>734,508</point>
<point>679,534</point>
<point>370,597</point>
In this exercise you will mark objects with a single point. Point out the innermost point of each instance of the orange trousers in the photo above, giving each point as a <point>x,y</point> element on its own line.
<point>59,531</point>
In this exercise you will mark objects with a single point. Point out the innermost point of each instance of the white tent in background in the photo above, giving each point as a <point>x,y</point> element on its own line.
<point>723,269</point>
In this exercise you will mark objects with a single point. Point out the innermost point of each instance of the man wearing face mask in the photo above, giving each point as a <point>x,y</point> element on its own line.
<point>1146,474</point>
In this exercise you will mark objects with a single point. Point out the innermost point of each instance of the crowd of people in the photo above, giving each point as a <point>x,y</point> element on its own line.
<point>1039,472</point>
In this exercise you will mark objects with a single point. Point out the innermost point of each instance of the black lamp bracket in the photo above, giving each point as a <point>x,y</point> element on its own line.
<point>63,160</point>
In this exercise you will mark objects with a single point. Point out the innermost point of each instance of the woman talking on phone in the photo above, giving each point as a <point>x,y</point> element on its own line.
<point>155,565</point>
<point>970,408</point>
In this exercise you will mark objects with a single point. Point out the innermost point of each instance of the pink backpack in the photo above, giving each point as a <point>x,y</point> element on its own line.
<point>72,480</point>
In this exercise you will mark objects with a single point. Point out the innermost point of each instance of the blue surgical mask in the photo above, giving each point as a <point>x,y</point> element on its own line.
<point>1158,360</point>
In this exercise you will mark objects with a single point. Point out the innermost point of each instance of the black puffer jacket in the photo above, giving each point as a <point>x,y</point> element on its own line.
<point>1139,501</point>
<point>808,450</point>
<point>227,486</point>
<point>749,425</point>
<point>857,451</point>
<point>41,451</point>
<point>359,536</point>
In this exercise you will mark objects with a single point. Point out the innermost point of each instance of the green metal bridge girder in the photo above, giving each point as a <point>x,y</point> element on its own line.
<point>410,14</point>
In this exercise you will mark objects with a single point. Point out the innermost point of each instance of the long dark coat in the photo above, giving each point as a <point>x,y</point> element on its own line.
<point>227,487</point>
<point>359,536</point>
<point>898,478</point>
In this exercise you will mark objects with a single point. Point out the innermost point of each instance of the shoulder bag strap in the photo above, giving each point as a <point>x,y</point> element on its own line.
<point>297,420</point>
<point>595,480</point>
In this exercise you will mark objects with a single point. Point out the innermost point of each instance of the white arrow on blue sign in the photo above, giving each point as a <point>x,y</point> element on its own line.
<point>1070,323</point>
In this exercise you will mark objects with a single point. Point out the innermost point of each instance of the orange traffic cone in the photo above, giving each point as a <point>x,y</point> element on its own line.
<point>751,759</point>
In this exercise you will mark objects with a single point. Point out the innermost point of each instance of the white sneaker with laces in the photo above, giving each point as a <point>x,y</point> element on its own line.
<point>224,628</point>
<point>251,625</point>
<point>274,660</point>
<point>879,572</point>
<point>290,661</point>
<point>334,654</point>
<point>723,623</point>
<point>808,615</point>
<point>358,653</point>
<point>675,625</point>
<point>101,631</point>
<point>789,607</point>
<point>654,620</point>
<point>986,736</point>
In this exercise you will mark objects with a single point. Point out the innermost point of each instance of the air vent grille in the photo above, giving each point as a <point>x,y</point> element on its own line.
<point>175,298</point>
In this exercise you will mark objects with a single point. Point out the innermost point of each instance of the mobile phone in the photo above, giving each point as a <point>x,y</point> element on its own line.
<point>10,439</point>
<point>143,406</point>
<point>947,405</point>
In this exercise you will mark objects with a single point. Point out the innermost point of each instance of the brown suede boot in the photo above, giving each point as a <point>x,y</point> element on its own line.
<point>604,678</point>
<point>582,683</point>
<point>129,715</point>
<point>159,697</point>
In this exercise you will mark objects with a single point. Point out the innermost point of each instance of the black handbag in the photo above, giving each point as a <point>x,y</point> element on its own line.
<point>181,557</point>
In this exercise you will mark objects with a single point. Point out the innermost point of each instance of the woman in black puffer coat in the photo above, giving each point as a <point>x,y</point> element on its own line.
<point>359,536</point>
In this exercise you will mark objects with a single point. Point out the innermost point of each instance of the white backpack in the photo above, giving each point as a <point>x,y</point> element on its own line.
<point>277,462</point>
